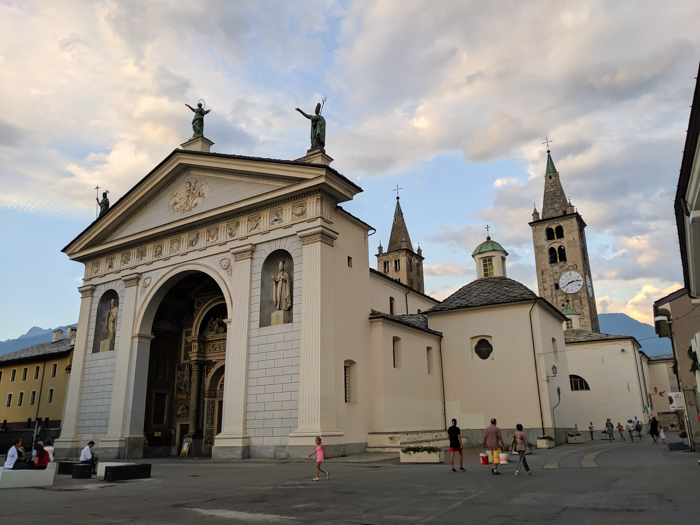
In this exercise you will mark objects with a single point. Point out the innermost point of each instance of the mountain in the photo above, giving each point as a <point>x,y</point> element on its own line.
<point>623,324</point>
<point>34,336</point>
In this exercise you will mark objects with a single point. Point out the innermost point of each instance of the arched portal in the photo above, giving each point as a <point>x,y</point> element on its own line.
<point>186,316</point>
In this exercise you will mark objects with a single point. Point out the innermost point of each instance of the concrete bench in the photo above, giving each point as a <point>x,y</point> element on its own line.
<point>26,478</point>
<point>82,470</point>
<point>66,467</point>
<point>102,466</point>
<point>126,472</point>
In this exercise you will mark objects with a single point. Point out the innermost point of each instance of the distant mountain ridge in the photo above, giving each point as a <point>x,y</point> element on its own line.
<point>34,336</point>
<point>623,324</point>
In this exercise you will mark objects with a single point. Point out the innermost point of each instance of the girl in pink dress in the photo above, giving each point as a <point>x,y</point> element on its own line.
<point>321,453</point>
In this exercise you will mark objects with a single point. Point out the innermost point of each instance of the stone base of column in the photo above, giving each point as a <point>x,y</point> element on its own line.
<point>133,446</point>
<point>303,443</point>
<point>231,446</point>
<point>111,448</point>
<point>67,448</point>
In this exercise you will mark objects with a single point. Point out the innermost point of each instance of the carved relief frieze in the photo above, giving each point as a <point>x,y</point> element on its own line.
<point>95,268</point>
<point>232,229</point>
<point>110,264</point>
<point>187,197</point>
<point>226,265</point>
<point>145,284</point>
<point>126,259</point>
<point>192,240</point>
<point>157,251</point>
<point>212,235</point>
<point>209,436</point>
<point>254,224</point>
<point>276,217</point>
<point>209,417</point>
<point>299,211</point>
<point>141,255</point>
<point>175,246</point>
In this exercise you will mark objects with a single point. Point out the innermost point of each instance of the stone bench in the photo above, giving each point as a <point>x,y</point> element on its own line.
<point>26,478</point>
<point>102,466</point>
<point>82,470</point>
<point>65,467</point>
<point>126,472</point>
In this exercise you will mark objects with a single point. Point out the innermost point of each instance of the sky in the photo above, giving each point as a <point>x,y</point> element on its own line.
<point>450,101</point>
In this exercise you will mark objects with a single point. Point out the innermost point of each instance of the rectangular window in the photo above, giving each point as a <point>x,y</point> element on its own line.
<point>0,376</point>
<point>347,383</point>
<point>9,400</point>
<point>569,324</point>
<point>397,265</point>
<point>36,372</point>
<point>53,369</point>
<point>487,265</point>
<point>50,396</point>
<point>20,398</point>
<point>396,352</point>
<point>386,266</point>
<point>429,355</point>
<point>32,398</point>
<point>349,262</point>
<point>24,374</point>
<point>12,376</point>
<point>159,401</point>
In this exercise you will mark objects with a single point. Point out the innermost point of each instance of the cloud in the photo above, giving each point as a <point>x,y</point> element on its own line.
<point>639,306</point>
<point>444,269</point>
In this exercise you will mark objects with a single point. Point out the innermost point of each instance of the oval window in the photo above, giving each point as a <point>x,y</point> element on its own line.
<point>483,349</point>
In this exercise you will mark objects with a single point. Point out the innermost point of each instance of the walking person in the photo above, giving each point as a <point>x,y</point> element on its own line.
<point>610,430</point>
<point>662,434</point>
<point>520,441</point>
<point>630,429</point>
<point>454,434</point>
<point>654,430</point>
<point>591,429</point>
<point>638,427</point>
<point>621,430</point>
<point>494,441</point>
<point>321,454</point>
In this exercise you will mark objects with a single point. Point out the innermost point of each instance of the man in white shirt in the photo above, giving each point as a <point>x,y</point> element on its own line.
<point>14,455</point>
<point>87,457</point>
<point>630,429</point>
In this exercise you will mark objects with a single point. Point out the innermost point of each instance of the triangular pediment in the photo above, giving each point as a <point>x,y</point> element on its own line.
<point>188,188</point>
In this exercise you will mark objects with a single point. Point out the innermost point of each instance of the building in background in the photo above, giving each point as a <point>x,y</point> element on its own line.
<point>662,380</point>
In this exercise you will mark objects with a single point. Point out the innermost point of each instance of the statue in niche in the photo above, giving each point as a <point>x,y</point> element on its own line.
<point>198,120</point>
<point>282,290</point>
<point>104,204</point>
<point>318,127</point>
<point>111,321</point>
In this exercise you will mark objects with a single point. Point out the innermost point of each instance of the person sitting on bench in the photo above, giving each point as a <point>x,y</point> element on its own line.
<point>15,457</point>
<point>87,457</point>
<point>41,458</point>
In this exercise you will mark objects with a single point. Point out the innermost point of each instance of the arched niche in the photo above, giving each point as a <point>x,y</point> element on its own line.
<point>277,281</point>
<point>107,313</point>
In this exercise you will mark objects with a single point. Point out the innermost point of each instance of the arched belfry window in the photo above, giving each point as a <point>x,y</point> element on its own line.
<point>561,251</point>
<point>483,349</point>
<point>550,234</point>
<point>560,232</point>
<point>552,255</point>
<point>578,383</point>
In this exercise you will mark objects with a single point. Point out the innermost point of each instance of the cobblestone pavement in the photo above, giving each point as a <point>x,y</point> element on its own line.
<point>593,482</point>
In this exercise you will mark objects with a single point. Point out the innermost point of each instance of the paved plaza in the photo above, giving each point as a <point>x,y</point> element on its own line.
<point>594,482</point>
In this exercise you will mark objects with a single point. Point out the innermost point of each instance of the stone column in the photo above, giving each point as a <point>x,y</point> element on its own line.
<point>317,356</point>
<point>113,444</point>
<point>194,399</point>
<point>67,444</point>
<point>234,441</point>
<point>136,402</point>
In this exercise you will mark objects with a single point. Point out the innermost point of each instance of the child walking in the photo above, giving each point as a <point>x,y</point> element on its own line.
<point>321,454</point>
<point>662,434</point>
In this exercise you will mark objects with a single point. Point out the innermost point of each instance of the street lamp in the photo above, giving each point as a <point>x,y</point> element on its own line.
<point>554,373</point>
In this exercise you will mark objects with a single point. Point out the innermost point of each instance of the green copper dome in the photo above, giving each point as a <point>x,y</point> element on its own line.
<point>569,311</point>
<point>488,246</point>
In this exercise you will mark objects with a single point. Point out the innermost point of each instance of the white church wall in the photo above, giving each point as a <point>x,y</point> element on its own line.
<point>407,396</point>
<point>615,381</point>
<point>505,385</point>
<point>98,374</point>
<point>273,362</point>
<point>383,289</point>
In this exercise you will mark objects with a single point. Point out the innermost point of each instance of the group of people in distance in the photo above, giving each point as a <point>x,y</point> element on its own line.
<point>493,440</point>
<point>634,427</point>
<point>42,455</point>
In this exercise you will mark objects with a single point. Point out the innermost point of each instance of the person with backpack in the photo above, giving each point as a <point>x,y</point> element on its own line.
<point>638,427</point>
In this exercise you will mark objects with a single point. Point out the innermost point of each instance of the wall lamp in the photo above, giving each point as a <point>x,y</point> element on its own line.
<point>554,373</point>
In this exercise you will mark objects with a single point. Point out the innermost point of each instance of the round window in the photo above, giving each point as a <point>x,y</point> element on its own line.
<point>483,349</point>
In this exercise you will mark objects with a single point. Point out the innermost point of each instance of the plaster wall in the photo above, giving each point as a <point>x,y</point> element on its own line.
<point>617,386</point>
<point>382,289</point>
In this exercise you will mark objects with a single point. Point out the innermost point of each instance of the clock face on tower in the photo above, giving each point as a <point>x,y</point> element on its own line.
<point>589,286</point>
<point>571,282</point>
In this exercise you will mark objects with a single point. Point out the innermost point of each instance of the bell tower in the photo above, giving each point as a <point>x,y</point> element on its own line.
<point>399,261</point>
<point>561,253</point>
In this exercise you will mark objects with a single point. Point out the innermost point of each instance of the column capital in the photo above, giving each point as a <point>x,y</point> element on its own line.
<point>243,252</point>
<point>86,291</point>
<point>131,280</point>
<point>142,338</point>
<point>318,234</point>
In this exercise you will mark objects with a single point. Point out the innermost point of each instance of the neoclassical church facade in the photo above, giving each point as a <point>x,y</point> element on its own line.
<point>229,306</point>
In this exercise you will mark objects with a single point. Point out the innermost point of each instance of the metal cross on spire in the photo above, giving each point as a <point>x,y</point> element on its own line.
<point>547,141</point>
<point>397,190</point>
<point>488,231</point>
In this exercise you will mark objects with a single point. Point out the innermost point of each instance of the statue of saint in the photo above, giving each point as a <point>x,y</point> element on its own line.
<point>198,120</point>
<point>104,204</point>
<point>318,128</point>
<point>111,321</point>
<point>282,291</point>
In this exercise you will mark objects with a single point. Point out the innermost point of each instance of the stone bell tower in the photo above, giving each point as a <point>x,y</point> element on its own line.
<point>561,253</point>
<point>399,261</point>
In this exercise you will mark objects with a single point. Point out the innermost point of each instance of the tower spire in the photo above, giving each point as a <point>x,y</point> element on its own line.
<point>555,202</point>
<point>399,231</point>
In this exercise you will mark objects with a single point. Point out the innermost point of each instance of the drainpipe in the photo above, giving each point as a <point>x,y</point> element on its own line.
<point>442,380</point>
<point>537,373</point>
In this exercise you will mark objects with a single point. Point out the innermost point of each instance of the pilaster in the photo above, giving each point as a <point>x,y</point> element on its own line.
<point>317,407</point>
<point>113,444</point>
<point>234,441</point>
<point>67,444</point>
<point>136,398</point>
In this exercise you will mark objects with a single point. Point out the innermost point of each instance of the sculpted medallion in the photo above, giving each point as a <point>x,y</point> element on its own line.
<point>192,240</point>
<point>110,263</point>
<point>276,217</point>
<point>232,229</point>
<point>187,197</point>
<point>299,211</point>
<point>175,246</point>
<point>126,258</point>
<point>158,251</point>
<point>140,255</point>
<point>95,268</point>
<point>212,235</point>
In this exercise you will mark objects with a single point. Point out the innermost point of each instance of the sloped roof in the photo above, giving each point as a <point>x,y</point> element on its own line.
<point>577,335</point>
<point>40,350</point>
<point>550,165</point>
<point>417,321</point>
<point>399,231</point>
<point>569,311</point>
<point>661,357</point>
<point>489,245</point>
<point>372,271</point>
<point>485,292</point>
